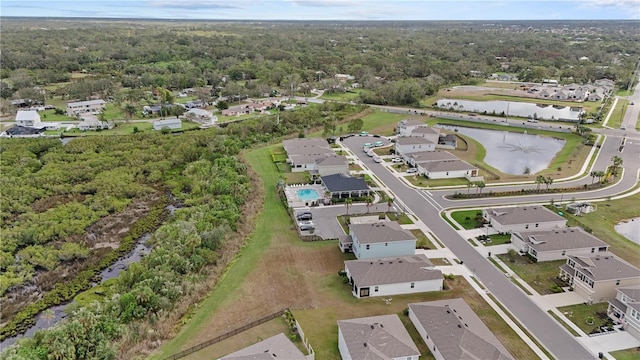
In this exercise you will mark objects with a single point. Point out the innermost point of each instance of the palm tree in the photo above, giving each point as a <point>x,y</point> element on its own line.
<point>539,181</point>
<point>600,174</point>
<point>480,185</point>
<point>469,185</point>
<point>593,175</point>
<point>347,203</point>
<point>390,203</point>
<point>369,201</point>
<point>548,181</point>
<point>617,162</point>
<point>527,171</point>
<point>129,110</point>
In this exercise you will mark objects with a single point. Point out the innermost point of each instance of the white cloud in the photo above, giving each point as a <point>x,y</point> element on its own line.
<point>326,3</point>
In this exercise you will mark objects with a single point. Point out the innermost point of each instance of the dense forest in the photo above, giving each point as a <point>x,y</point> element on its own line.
<point>89,179</point>
<point>400,63</point>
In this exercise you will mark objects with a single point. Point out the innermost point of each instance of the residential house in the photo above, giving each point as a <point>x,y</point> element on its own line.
<point>447,169</point>
<point>201,116</point>
<point>560,95</point>
<point>341,185</point>
<point>447,141</point>
<point>625,309</point>
<point>392,276</point>
<point>196,104</point>
<point>596,278</point>
<point>381,239</point>
<point>24,103</point>
<point>171,124</point>
<point>375,337</point>
<point>605,83</point>
<point>237,110</point>
<point>85,107</point>
<point>332,164</point>
<point>278,347</point>
<point>453,331</point>
<point>261,107</point>
<point>344,77</point>
<point>27,118</point>
<point>303,154</point>
<point>411,144</point>
<point>523,218</point>
<point>430,133</point>
<point>544,94</point>
<point>89,125</point>
<point>594,97</point>
<point>557,244</point>
<point>406,126</point>
<point>416,158</point>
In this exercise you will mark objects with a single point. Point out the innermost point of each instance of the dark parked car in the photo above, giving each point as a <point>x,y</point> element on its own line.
<point>305,216</point>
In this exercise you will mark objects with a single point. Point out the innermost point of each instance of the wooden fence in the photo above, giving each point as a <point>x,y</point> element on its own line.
<point>219,338</point>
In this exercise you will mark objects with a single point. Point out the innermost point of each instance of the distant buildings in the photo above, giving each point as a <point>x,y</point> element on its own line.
<point>171,124</point>
<point>85,107</point>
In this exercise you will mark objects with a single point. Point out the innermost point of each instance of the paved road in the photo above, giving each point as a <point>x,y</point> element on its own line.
<point>560,343</point>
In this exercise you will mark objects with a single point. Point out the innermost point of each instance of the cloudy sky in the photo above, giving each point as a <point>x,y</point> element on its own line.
<point>328,9</point>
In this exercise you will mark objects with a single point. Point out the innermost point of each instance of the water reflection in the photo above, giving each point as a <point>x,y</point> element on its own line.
<point>513,153</point>
<point>513,108</point>
<point>630,229</point>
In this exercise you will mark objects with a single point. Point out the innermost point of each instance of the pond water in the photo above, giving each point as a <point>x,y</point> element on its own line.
<point>630,229</point>
<point>512,152</point>
<point>47,319</point>
<point>513,108</point>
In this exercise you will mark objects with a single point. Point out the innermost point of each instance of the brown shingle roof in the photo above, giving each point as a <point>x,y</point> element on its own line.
<point>395,270</point>
<point>377,337</point>
<point>457,332</point>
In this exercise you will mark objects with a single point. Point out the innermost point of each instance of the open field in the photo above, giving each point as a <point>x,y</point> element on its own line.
<point>539,276</point>
<point>346,96</point>
<point>305,280</point>
<point>603,220</point>
<point>466,218</point>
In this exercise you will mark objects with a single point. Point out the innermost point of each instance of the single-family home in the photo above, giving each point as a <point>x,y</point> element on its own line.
<point>174,123</point>
<point>416,158</point>
<point>237,110</point>
<point>560,95</point>
<point>28,118</point>
<point>430,133</point>
<point>557,244</point>
<point>201,116</point>
<point>24,103</point>
<point>544,94</point>
<point>447,169</point>
<point>195,104</point>
<point>411,144</point>
<point>523,218</point>
<point>596,278</point>
<point>453,331</point>
<point>342,185</point>
<point>406,126</point>
<point>344,77</point>
<point>625,309</point>
<point>377,337</point>
<point>594,97</point>
<point>332,164</point>
<point>447,141</point>
<point>303,154</point>
<point>605,83</point>
<point>89,125</point>
<point>381,239</point>
<point>392,276</point>
<point>85,107</point>
<point>278,347</point>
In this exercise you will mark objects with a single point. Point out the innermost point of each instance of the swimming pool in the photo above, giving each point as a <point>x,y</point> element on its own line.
<point>308,194</point>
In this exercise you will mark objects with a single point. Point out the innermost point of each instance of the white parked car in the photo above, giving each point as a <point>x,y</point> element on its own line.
<point>377,159</point>
<point>305,225</point>
<point>371,153</point>
<point>396,160</point>
<point>412,170</point>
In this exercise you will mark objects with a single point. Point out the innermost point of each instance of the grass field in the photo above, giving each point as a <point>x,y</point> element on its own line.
<point>499,239</point>
<point>51,116</point>
<point>421,239</point>
<point>602,222</point>
<point>420,180</point>
<point>538,275</point>
<point>615,120</point>
<point>578,314</point>
<point>346,96</point>
<point>466,218</point>
<point>305,280</point>
<point>628,354</point>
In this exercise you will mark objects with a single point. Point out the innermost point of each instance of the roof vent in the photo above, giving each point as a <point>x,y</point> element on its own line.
<point>365,344</point>
<point>465,324</point>
<point>454,310</point>
<point>459,326</point>
<point>448,312</point>
<point>373,326</point>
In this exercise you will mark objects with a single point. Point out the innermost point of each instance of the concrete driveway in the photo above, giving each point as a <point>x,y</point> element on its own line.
<point>326,222</point>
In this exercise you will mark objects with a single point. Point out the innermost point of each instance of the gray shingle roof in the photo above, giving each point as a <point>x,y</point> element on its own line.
<point>447,165</point>
<point>425,130</point>
<point>424,156</point>
<point>87,103</point>
<point>523,215</point>
<point>393,270</point>
<point>275,347</point>
<point>377,338</point>
<point>561,239</point>
<point>632,292</point>
<point>412,140</point>
<point>411,122</point>
<point>600,268</point>
<point>457,332</point>
<point>386,231</point>
<point>332,160</point>
<point>341,182</point>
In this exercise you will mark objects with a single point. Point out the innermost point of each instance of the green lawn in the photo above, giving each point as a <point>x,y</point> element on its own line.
<point>623,93</point>
<point>403,219</point>
<point>603,220</point>
<point>466,218</point>
<point>628,354</point>
<point>421,239</point>
<point>419,180</point>
<point>51,116</point>
<point>559,321</point>
<point>615,120</point>
<point>539,276</point>
<point>346,96</point>
<point>499,239</point>
<point>579,314</point>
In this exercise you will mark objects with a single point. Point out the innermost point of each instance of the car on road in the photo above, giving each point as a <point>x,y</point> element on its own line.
<point>364,133</point>
<point>412,170</point>
<point>304,216</point>
<point>377,159</point>
<point>306,225</point>
<point>396,160</point>
<point>532,120</point>
<point>378,144</point>
<point>623,127</point>
<point>371,153</point>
